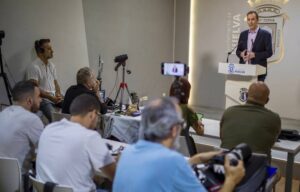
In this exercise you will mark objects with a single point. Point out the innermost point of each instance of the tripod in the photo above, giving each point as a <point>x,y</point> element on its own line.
<point>122,86</point>
<point>4,76</point>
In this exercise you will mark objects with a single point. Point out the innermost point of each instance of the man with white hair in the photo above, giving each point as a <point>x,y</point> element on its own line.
<point>86,84</point>
<point>154,166</point>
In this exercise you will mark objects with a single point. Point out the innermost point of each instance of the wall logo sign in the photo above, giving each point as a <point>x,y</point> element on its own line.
<point>243,94</point>
<point>272,19</point>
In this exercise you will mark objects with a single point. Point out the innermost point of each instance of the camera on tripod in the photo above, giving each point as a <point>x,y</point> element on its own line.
<point>120,60</point>
<point>212,174</point>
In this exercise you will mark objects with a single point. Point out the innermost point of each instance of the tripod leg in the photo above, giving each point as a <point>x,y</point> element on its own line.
<point>7,87</point>
<point>117,95</point>
<point>128,94</point>
<point>5,79</point>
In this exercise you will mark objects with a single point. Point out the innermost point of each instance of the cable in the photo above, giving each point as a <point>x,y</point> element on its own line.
<point>116,81</point>
<point>8,70</point>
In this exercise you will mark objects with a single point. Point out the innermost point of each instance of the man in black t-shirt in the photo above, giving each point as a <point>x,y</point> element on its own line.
<point>86,83</point>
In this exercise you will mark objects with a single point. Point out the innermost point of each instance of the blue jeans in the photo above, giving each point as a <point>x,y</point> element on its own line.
<point>47,108</point>
<point>101,190</point>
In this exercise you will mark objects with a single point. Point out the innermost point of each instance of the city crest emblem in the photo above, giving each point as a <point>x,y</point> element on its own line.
<point>243,94</point>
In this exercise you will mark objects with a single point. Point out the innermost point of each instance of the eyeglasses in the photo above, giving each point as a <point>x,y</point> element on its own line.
<point>182,124</point>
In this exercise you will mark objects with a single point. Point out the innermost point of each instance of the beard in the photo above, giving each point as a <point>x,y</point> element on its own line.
<point>94,124</point>
<point>35,108</point>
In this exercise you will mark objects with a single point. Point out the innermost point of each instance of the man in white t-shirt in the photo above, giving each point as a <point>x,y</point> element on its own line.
<point>43,72</point>
<point>20,129</point>
<point>70,152</point>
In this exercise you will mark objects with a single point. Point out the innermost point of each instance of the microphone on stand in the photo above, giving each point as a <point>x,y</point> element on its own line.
<point>100,69</point>
<point>230,52</point>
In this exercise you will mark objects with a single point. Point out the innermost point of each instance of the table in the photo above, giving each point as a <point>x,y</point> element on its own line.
<point>126,128</point>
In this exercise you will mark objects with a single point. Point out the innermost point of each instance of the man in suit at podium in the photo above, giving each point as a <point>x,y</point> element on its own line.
<point>255,44</point>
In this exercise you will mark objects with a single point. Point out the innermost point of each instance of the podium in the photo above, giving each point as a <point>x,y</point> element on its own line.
<point>238,79</point>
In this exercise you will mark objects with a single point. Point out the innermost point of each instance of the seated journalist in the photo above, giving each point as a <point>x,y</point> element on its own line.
<point>152,164</point>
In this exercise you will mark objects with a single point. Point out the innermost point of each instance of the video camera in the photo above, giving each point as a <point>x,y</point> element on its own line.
<point>212,174</point>
<point>120,60</point>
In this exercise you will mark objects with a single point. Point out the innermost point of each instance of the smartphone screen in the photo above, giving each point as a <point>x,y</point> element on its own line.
<point>174,69</point>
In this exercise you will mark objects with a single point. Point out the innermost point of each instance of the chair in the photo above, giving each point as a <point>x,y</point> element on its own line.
<point>183,148</point>
<point>190,143</point>
<point>57,116</point>
<point>10,175</point>
<point>3,106</point>
<point>39,186</point>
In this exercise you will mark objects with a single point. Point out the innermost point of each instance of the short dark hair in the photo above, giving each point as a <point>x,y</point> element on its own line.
<point>22,89</point>
<point>84,104</point>
<point>83,75</point>
<point>253,12</point>
<point>180,89</point>
<point>38,45</point>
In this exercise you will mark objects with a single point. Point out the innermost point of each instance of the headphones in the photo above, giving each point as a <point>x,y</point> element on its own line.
<point>177,90</point>
<point>38,45</point>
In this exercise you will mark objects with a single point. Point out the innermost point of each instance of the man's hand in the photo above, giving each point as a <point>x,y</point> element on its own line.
<point>243,53</point>
<point>203,157</point>
<point>233,174</point>
<point>58,94</point>
<point>55,99</point>
<point>248,56</point>
<point>95,87</point>
<point>199,128</point>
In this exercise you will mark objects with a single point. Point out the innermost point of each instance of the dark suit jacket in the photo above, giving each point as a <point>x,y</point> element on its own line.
<point>262,47</point>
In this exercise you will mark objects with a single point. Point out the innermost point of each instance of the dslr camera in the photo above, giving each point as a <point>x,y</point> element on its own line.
<point>212,174</point>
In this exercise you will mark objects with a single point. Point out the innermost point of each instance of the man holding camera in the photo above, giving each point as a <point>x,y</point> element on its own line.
<point>251,123</point>
<point>154,165</point>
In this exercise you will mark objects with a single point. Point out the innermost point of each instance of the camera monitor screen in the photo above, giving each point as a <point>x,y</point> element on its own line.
<point>174,69</point>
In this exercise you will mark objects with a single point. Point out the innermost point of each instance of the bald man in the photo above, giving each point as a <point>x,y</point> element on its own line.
<point>251,123</point>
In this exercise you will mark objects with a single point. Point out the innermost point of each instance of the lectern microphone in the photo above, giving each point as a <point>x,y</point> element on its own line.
<point>230,52</point>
